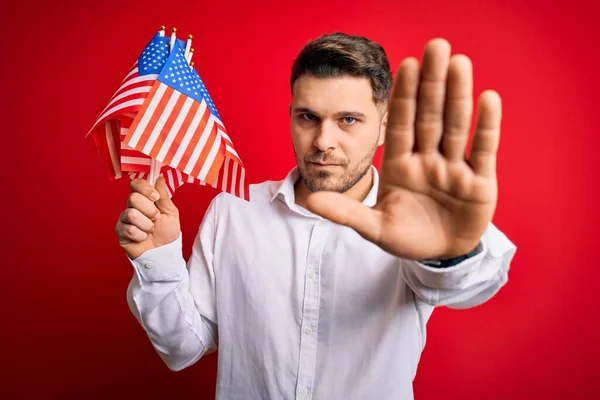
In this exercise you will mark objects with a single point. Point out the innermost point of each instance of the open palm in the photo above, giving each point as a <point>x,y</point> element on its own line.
<point>433,200</point>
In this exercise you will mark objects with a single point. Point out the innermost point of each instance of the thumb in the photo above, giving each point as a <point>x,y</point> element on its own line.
<point>342,210</point>
<point>164,203</point>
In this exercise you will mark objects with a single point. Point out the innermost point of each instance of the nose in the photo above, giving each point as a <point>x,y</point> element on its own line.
<point>326,136</point>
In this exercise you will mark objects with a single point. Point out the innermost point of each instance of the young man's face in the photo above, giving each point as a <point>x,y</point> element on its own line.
<point>336,129</point>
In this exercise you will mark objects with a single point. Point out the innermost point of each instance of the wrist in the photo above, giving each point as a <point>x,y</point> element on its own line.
<point>445,262</point>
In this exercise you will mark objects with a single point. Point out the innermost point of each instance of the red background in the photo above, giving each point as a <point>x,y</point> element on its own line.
<point>66,329</point>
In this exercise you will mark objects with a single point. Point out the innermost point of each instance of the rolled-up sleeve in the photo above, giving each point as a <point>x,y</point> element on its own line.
<point>469,283</point>
<point>174,301</point>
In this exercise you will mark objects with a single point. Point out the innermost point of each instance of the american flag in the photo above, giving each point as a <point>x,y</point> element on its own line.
<point>138,164</point>
<point>180,126</point>
<point>125,103</point>
<point>163,110</point>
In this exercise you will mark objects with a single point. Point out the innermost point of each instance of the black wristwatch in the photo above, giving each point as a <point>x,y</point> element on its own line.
<point>450,262</point>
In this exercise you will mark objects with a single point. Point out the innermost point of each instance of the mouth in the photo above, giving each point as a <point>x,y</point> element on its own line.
<point>323,166</point>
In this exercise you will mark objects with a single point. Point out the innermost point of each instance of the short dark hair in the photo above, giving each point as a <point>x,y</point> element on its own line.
<point>339,54</point>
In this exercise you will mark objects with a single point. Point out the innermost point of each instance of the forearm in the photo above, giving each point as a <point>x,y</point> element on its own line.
<point>470,282</point>
<point>160,299</point>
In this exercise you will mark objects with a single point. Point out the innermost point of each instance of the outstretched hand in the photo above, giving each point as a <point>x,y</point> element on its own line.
<point>434,202</point>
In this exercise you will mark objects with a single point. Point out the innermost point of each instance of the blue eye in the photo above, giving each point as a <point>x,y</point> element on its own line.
<point>349,120</point>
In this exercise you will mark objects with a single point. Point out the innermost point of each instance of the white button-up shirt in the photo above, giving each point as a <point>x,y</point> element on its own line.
<point>300,307</point>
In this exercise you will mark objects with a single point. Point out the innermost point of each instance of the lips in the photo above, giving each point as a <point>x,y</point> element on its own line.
<point>325,165</point>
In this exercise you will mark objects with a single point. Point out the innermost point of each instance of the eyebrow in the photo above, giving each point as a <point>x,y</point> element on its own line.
<point>354,114</point>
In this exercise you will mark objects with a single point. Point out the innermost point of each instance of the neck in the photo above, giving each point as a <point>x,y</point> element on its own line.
<point>359,191</point>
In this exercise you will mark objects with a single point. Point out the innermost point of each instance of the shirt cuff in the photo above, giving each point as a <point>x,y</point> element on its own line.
<point>435,277</point>
<point>161,263</point>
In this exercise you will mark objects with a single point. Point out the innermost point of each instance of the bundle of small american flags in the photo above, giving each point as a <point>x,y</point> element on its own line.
<point>162,121</point>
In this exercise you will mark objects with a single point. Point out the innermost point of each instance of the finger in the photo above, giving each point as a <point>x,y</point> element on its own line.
<point>432,93</point>
<point>130,233</point>
<point>164,203</point>
<point>144,187</point>
<point>400,132</point>
<point>134,217</point>
<point>487,134</point>
<point>459,108</point>
<point>143,204</point>
<point>344,211</point>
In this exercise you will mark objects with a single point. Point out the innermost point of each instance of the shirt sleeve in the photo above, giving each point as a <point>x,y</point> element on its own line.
<point>174,301</point>
<point>467,284</point>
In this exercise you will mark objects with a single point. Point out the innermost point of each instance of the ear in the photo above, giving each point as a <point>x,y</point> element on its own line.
<point>382,128</point>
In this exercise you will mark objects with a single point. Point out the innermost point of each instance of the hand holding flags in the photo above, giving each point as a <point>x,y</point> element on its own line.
<point>162,120</point>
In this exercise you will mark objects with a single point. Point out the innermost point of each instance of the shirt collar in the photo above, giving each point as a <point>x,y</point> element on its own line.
<point>284,189</point>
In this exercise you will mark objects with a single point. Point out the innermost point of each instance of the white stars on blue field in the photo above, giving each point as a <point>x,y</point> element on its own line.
<point>177,74</point>
<point>154,56</point>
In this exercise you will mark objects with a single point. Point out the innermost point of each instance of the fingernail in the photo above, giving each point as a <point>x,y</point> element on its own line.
<point>154,196</point>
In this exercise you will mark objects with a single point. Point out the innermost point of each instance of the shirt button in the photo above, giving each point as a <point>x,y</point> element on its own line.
<point>308,331</point>
<point>304,391</point>
<point>311,274</point>
<point>148,265</point>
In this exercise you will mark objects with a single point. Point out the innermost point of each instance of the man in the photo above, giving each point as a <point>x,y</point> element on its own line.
<point>320,287</point>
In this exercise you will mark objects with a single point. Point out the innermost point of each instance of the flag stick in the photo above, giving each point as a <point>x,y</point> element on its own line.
<point>173,37</point>
<point>188,48</point>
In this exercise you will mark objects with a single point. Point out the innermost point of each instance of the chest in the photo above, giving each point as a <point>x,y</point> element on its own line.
<point>295,264</point>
